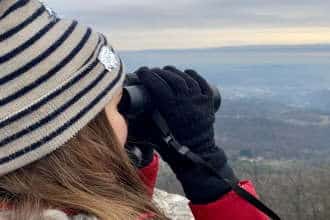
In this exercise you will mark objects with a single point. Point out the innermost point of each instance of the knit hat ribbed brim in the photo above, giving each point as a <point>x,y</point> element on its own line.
<point>55,76</point>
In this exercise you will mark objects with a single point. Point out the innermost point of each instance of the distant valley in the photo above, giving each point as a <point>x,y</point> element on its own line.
<point>276,98</point>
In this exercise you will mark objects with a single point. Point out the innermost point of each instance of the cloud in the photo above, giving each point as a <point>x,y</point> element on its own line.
<point>130,18</point>
<point>197,13</point>
<point>192,38</point>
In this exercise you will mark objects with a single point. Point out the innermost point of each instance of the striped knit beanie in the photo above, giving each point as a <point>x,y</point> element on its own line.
<point>55,76</point>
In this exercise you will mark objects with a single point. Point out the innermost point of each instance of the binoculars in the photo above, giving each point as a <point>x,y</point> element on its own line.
<point>136,100</point>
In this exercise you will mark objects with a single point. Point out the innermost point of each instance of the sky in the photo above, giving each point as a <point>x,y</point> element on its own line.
<point>159,24</point>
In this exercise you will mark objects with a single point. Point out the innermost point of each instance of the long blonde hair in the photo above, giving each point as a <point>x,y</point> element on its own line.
<point>91,173</point>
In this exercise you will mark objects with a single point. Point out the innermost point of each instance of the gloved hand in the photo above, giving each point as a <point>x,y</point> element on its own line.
<point>185,100</point>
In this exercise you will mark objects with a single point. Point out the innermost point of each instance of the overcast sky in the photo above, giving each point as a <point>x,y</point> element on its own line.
<point>145,24</point>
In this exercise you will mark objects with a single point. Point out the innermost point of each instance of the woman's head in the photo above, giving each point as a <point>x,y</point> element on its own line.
<point>61,135</point>
<point>55,76</point>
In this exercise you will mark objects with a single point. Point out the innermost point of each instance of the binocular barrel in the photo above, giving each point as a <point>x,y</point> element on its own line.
<point>136,100</point>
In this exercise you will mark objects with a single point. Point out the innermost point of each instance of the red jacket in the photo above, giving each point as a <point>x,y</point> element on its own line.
<point>228,207</point>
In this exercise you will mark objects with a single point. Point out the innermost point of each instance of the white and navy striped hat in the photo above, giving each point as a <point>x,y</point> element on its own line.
<point>55,76</point>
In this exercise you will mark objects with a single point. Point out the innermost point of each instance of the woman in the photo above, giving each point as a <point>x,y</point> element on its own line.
<point>62,137</point>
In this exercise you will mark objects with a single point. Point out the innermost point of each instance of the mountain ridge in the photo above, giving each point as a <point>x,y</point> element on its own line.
<point>267,47</point>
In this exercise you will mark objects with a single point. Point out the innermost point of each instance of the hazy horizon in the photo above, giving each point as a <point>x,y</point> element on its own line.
<point>312,46</point>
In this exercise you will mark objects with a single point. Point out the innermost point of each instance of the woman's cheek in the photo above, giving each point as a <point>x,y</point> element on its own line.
<point>124,131</point>
<point>120,127</point>
<point>118,123</point>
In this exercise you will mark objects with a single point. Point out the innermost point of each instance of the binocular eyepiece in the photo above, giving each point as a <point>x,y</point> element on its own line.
<point>136,100</point>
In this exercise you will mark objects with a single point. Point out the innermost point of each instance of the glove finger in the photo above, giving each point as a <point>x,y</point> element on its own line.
<point>203,84</point>
<point>176,82</point>
<point>143,68</point>
<point>191,83</point>
<point>133,78</point>
<point>156,85</point>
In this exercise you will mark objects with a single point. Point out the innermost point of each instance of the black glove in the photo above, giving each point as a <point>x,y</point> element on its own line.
<point>185,100</point>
